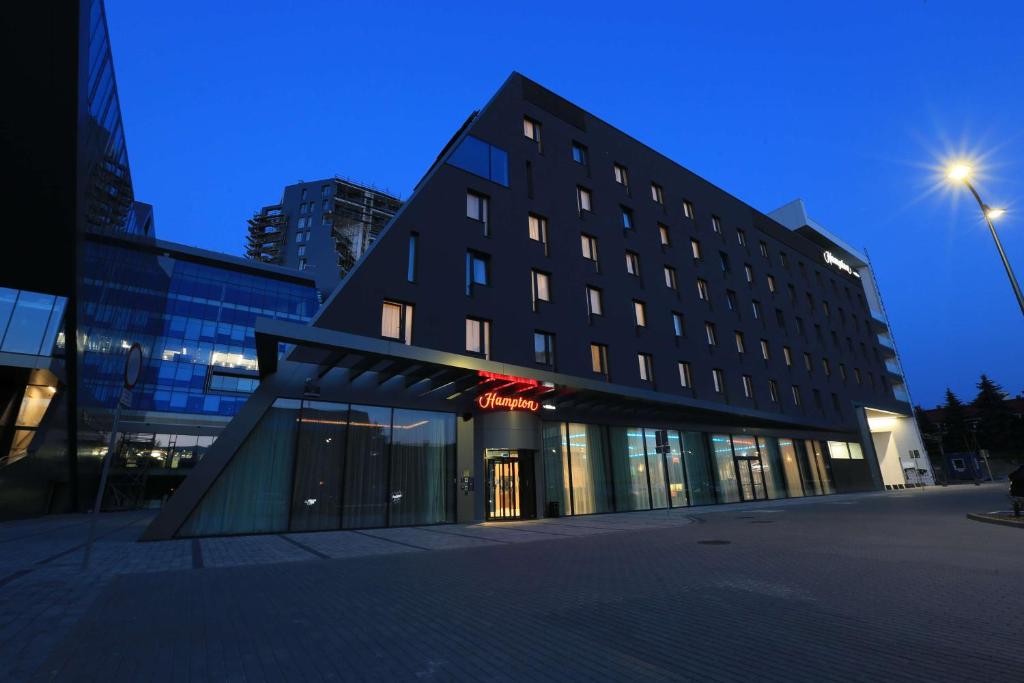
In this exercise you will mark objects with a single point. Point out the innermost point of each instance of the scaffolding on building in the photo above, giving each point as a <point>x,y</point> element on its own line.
<point>266,235</point>
<point>358,214</point>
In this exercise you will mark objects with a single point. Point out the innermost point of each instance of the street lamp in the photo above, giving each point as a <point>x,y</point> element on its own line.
<point>962,173</point>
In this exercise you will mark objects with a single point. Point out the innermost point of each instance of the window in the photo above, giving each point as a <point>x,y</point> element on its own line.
<point>810,302</point>
<point>646,362</point>
<point>305,192</point>
<point>695,249</point>
<point>632,263</point>
<point>302,250</point>
<point>702,290</point>
<point>771,284</point>
<point>764,248</point>
<point>589,244</point>
<point>773,390</point>
<point>599,359</point>
<point>396,321</point>
<point>594,301</point>
<point>677,324</point>
<point>748,386</point>
<point>579,153</point>
<point>477,270</point>
<point>621,175</point>
<point>478,336</point>
<point>807,362</point>
<point>712,335</point>
<point>657,194</point>
<point>780,318</point>
<point>627,218</point>
<point>541,287</point>
<point>475,156</point>
<point>670,277</point>
<point>663,235</point>
<point>825,309</point>
<point>741,347</point>
<point>688,210</point>
<point>302,264</point>
<point>476,209</point>
<point>583,199</point>
<point>765,352</point>
<point>325,190</point>
<point>723,259</point>
<point>748,271</point>
<point>842,371</point>
<point>787,355</point>
<point>326,220</point>
<point>685,378</point>
<point>730,300</point>
<point>716,224</point>
<point>800,326</point>
<point>300,237</point>
<point>410,272</point>
<point>796,395</point>
<point>741,237</point>
<point>538,227</point>
<point>856,375</point>
<point>531,129</point>
<point>756,305</point>
<point>640,313</point>
<point>783,259</point>
<point>792,292</point>
<point>718,377</point>
<point>826,367</point>
<point>544,348</point>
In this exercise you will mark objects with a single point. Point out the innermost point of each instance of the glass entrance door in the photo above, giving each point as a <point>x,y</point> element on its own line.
<point>751,478</point>
<point>503,485</point>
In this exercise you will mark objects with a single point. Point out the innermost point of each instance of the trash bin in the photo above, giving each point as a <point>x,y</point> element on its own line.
<point>553,508</point>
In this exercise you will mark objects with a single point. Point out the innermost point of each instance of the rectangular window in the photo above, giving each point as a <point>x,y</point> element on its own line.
<point>741,347</point>
<point>670,277</point>
<point>583,199</point>
<point>771,284</point>
<point>756,305</point>
<point>640,313</point>
<point>621,175</point>
<point>808,365</point>
<point>826,367</point>
<point>702,290</point>
<point>716,224</point>
<point>842,371</point>
<point>302,264</point>
<point>541,287</point>
<point>796,395</point>
<point>302,250</point>
<point>544,348</point>
<point>646,363</point>
<point>730,300</point>
<point>477,270</point>
<point>765,352</point>
<point>478,336</point>
<point>632,263</point>
<point>800,327</point>
<point>663,235</point>
<point>792,292</point>
<point>856,375</point>
<point>748,271</point>
<point>538,228</point>
<point>589,245</point>
<point>531,129</point>
<point>579,153</point>
<point>677,324</point>
<point>410,271</point>
<point>825,309</point>
<point>657,194</point>
<point>695,249</point>
<point>396,321</point>
<point>300,237</point>
<point>627,218</point>
<point>783,259</point>
<point>741,237</point>
<point>718,377</point>
<point>773,390</point>
<point>688,210</point>
<point>594,306</point>
<point>764,248</point>
<point>685,379</point>
<point>788,356</point>
<point>599,359</point>
<point>723,259</point>
<point>476,208</point>
<point>711,333</point>
<point>748,386</point>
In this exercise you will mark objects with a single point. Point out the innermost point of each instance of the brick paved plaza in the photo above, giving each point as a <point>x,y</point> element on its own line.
<point>897,586</point>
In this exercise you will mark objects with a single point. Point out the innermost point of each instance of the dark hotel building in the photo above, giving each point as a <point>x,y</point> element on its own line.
<point>560,320</point>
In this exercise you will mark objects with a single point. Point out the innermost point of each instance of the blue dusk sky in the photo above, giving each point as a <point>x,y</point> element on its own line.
<point>850,106</point>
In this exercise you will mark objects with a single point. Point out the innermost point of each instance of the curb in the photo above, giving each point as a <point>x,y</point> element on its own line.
<point>991,520</point>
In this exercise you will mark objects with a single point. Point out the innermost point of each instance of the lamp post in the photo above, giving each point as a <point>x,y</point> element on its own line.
<point>961,173</point>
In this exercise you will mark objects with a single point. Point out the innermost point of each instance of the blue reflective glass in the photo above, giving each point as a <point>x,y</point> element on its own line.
<point>472,155</point>
<point>28,323</point>
<point>7,299</point>
<point>499,166</point>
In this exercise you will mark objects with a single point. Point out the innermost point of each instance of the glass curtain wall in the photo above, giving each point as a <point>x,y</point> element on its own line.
<point>655,448</point>
<point>629,469</point>
<point>698,469</point>
<point>556,487</point>
<point>316,495</point>
<point>823,467</point>
<point>725,469</point>
<point>771,465</point>
<point>422,468</point>
<point>808,469</point>
<point>791,468</point>
<point>588,470</point>
<point>676,470</point>
<point>366,468</point>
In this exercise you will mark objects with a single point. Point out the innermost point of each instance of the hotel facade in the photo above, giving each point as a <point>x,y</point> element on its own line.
<point>562,321</point>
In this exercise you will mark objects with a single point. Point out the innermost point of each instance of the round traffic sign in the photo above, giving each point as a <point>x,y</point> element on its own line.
<point>133,365</point>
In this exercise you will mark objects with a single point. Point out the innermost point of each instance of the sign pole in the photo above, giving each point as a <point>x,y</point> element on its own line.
<point>132,370</point>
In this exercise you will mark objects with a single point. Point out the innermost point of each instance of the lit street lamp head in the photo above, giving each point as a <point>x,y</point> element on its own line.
<point>994,213</point>
<point>959,172</point>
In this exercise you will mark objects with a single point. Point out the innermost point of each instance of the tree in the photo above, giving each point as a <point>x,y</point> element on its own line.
<point>996,423</point>
<point>956,435</point>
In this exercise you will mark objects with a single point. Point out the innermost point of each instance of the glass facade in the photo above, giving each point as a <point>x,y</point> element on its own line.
<point>311,465</point>
<point>193,319</point>
<point>30,322</point>
<point>482,159</point>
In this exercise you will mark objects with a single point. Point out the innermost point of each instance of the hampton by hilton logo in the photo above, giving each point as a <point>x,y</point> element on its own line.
<point>491,401</point>
<point>839,263</point>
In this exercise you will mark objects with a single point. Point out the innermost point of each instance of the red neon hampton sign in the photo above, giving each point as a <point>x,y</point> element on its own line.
<point>491,401</point>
